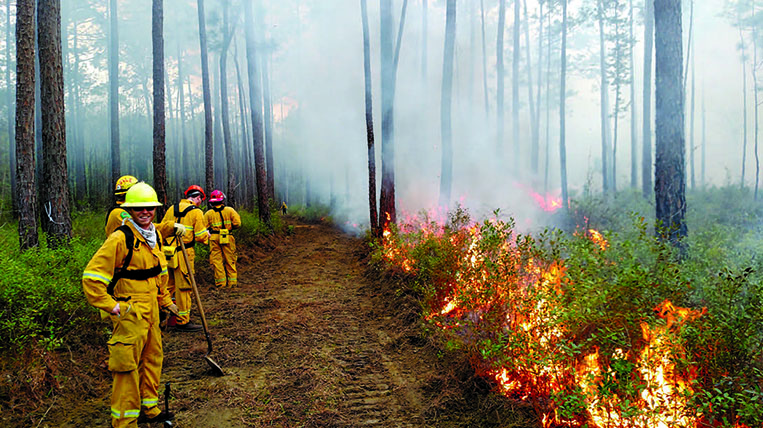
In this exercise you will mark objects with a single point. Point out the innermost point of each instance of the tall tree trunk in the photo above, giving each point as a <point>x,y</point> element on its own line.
<point>704,135</point>
<point>218,150</point>
<point>255,98</point>
<point>515,87</point>
<point>424,40</point>
<point>267,109</point>
<point>634,132</point>
<point>387,211</point>
<point>484,58</point>
<point>55,196</point>
<point>562,114</point>
<point>603,100</point>
<point>114,90</point>
<point>9,101</point>
<point>670,177</point>
<point>692,145</point>
<point>227,140</point>
<point>446,172</point>
<point>534,130</point>
<point>646,146</point>
<point>756,101</point>
<point>208,142</point>
<point>184,149</point>
<point>374,221</point>
<point>548,103</point>
<point>25,124</point>
<point>79,144</point>
<point>744,98</point>
<point>157,41</point>
<point>247,155</point>
<point>500,75</point>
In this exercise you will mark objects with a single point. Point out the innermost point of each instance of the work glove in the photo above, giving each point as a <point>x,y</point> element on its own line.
<point>179,229</point>
<point>174,309</point>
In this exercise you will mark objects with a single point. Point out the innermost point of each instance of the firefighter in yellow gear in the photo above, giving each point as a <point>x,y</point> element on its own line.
<point>127,278</point>
<point>117,215</point>
<point>185,221</point>
<point>221,220</point>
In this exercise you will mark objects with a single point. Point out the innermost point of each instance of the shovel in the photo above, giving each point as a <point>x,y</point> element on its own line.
<point>216,370</point>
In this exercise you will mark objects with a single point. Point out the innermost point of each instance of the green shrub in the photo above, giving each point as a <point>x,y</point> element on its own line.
<point>533,308</point>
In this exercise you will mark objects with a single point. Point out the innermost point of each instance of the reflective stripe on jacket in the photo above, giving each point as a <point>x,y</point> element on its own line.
<point>100,270</point>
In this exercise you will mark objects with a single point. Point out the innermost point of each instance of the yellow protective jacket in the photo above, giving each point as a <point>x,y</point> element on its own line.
<point>221,218</point>
<point>116,217</point>
<point>102,267</point>
<point>196,228</point>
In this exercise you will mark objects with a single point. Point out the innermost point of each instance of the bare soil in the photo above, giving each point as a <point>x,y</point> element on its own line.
<point>311,337</point>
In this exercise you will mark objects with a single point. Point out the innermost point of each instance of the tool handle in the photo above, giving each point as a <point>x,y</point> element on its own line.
<point>198,298</point>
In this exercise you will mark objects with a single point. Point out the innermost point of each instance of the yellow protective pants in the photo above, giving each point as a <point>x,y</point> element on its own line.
<point>135,360</point>
<point>222,257</point>
<point>179,286</point>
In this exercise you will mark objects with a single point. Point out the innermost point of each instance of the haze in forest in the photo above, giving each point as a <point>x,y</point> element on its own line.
<point>317,90</point>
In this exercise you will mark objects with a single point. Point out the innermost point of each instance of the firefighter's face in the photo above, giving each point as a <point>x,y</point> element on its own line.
<point>143,216</point>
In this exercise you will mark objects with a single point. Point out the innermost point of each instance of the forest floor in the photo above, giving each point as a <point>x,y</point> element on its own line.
<point>311,337</point>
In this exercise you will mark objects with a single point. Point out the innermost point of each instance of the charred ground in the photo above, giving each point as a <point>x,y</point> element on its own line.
<point>311,337</point>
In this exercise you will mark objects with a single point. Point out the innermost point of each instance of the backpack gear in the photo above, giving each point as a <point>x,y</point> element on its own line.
<point>123,272</point>
<point>123,184</point>
<point>193,191</point>
<point>141,195</point>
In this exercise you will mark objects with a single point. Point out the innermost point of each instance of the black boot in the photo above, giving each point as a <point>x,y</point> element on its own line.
<point>188,327</point>
<point>161,417</point>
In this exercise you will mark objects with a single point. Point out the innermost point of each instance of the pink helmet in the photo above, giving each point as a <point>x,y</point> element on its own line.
<point>216,196</point>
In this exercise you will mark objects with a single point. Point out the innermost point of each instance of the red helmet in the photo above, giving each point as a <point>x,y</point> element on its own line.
<point>216,196</point>
<point>194,191</point>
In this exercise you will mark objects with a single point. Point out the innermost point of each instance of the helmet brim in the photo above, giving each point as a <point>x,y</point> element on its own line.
<point>141,204</point>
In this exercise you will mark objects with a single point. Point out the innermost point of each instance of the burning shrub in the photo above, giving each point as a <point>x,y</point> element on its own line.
<point>584,327</point>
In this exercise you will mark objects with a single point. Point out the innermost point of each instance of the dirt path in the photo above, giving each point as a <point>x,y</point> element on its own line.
<point>310,339</point>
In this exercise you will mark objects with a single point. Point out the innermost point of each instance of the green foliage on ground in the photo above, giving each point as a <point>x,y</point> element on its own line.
<point>608,301</point>
<point>41,298</point>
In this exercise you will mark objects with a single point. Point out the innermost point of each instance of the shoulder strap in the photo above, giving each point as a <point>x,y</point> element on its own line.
<point>129,242</point>
<point>180,214</point>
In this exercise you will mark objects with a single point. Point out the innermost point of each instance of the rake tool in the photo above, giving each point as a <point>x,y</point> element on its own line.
<point>216,370</point>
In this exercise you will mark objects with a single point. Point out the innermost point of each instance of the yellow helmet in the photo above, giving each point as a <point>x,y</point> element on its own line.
<point>141,195</point>
<point>124,183</point>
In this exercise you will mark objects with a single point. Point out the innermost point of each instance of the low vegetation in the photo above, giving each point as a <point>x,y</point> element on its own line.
<point>584,321</point>
<point>43,308</point>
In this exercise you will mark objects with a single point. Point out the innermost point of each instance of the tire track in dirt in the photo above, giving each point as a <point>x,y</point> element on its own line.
<point>310,338</point>
<point>300,342</point>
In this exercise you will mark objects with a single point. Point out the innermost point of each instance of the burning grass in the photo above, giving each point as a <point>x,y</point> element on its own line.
<point>589,329</point>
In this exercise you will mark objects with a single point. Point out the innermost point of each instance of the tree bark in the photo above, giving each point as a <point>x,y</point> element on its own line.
<point>227,140</point>
<point>25,125</point>
<point>9,101</point>
<point>484,58</point>
<point>446,172</point>
<point>562,115</point>
<point>387,210</point>
<point>255,98</point>
<point>157,39</point>
<point>634,133</point>
<point>515,86</point>
<point>646,146</point>
<point>500,73</point>
<point>603,100</point>
<point>267,108</point>
<point>670,177</point>
<point>114,90</point>
<point>55,195</point>
<point>534,114</point>
<point>208,142</point>
<point>374,221</point>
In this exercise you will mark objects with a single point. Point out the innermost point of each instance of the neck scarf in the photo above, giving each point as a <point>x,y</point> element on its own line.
<point>149,234</point>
